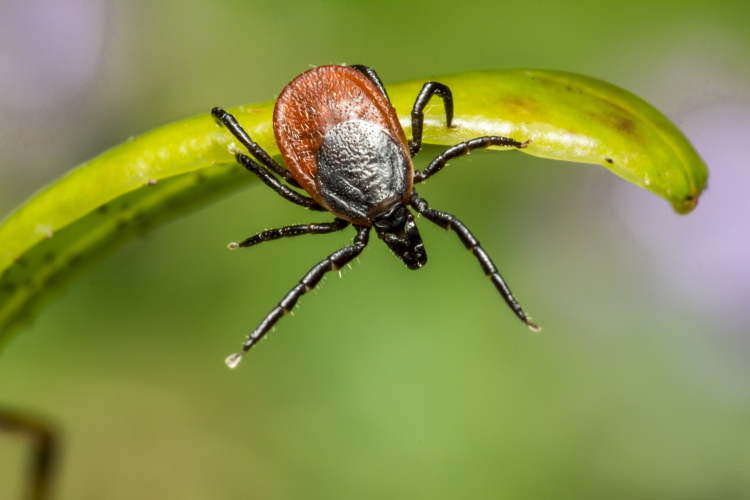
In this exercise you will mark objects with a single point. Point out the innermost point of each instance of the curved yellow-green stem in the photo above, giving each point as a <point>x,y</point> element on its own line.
<point>82,217</point>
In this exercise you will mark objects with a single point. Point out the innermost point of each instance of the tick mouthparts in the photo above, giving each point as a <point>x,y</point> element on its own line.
<point>234,360</point>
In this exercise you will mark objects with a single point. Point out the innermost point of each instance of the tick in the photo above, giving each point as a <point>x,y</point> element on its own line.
<point>344,146</point>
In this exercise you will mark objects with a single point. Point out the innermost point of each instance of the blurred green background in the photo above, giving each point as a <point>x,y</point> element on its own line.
<point>390,383</point>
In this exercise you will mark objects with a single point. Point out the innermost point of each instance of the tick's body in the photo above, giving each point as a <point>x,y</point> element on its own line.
<point>343,144</point>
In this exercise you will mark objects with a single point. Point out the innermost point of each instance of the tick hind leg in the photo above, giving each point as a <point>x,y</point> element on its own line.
<point>448,221</point>
<point>259,153</point>
<point>289,231</point>
<point>45,446</point>
<point>333,262</point>
<point>462,149</point>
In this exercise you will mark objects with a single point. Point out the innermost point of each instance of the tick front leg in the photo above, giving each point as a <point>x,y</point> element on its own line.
<point>258,152</point>
<point>448,221</point>
<point>289,231</point>
<point>417,113</point>
<point>333,262</point>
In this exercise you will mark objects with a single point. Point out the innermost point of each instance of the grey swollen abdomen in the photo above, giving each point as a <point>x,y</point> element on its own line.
<point>362,171</point>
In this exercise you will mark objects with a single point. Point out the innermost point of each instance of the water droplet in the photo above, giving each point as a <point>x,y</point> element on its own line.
<point>534,328</point>
<point>233,360</point>
<point>232,246</point>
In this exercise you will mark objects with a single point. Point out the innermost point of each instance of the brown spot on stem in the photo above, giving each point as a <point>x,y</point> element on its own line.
<point>520,105</point>
<point>617,107</point>
<point>625,125</point>
<point>620,123</point>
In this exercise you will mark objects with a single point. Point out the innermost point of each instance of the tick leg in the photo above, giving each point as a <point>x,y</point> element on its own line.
<point>462,149</point>
<point>333,262</point>
<point>259,153</point>
<point>45,445</point>
<point>374,78</point>
<point>417,113</point>
<point>448,221</point>
<point>273,183</point>
<point>289,231</point>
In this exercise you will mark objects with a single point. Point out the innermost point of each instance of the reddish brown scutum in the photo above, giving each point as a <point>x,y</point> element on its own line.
<point>314,103</point>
